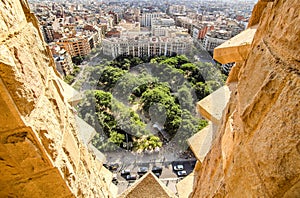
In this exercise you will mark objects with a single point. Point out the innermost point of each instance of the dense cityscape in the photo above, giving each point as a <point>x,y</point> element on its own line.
<point>139,28</point>
<point>113,38</point>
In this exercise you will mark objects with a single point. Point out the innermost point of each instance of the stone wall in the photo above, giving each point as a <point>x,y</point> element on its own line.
<point>40,152</point>
<point>256,152</point>
<point>257,149</point>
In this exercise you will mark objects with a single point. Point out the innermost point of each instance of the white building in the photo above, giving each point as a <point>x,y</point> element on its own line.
<point>168,31</point>
<point>177,10</point>
<point>146,18</point>
<point>140,46</point>
<point>215,38</point>
<point>162,22</point>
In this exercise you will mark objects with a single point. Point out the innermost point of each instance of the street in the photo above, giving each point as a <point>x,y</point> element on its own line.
<point>168,176</point>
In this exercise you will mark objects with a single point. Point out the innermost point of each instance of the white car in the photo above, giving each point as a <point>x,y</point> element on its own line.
<point>178,167</point>
<point>125,172</point>
<point>182,173</point>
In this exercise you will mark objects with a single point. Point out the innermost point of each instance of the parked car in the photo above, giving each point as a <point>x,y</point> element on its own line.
<point>157,174</point>
<point>114,167</point>
<point>178,167</point>
<point>157,169</point>
<point>181,173</point>
<point>142,170</point>
<point>111,167</point>
<point>125,172</point>
<point>131,177</point>
<point>115,179</point>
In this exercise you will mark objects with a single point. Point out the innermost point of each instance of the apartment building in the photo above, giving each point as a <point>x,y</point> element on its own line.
<point>62,58</point>
<point>140,46</point>
<point>146,18</point>
<point>169,31</point>
<point>215,38</point>
<point>77,46</point>
<point>177,10</point>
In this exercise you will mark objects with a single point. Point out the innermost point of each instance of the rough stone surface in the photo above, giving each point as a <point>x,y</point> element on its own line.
<point>256,152</point>
<point>40,151</point>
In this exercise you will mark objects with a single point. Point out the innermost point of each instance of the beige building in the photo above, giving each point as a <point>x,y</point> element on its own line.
<point>77,46</point>
<point>64,64</point>
<point>215,38</point>
<point>147,46</point>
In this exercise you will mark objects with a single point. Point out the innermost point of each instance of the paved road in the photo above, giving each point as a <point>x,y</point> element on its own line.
<point>168,176</point>
<point>93,60</point>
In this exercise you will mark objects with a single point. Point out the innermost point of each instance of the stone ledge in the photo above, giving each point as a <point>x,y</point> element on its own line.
<point>44,184</point>
<point>85,131</point>
<point>212,106</point>
<point>200,143</point>
<point>9,118</point>
<point>185,186</point>
<point>237,48</point>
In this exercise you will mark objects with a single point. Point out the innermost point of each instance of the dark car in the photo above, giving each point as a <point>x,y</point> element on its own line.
<point>157,174</point>
<point>125,172</point>
<point>131,177</point>
<point>157,169</point>
<point>111,167</point>
<point>178,167</point>
<point>142,170</point>
<point>181,173</point>
<point>115,179</point>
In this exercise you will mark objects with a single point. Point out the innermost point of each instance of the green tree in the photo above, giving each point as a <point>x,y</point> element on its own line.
<point>161,94</point>
<point>182,59</point>
<point>202,90</point>
<point>173,62</point>
<point>110,77</point>
<point>77,60</point>
<point>103,99</point>
<point>116,138</point>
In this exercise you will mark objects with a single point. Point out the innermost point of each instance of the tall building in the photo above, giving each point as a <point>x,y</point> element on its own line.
<point>146,18</point>
<point>62,59</point>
